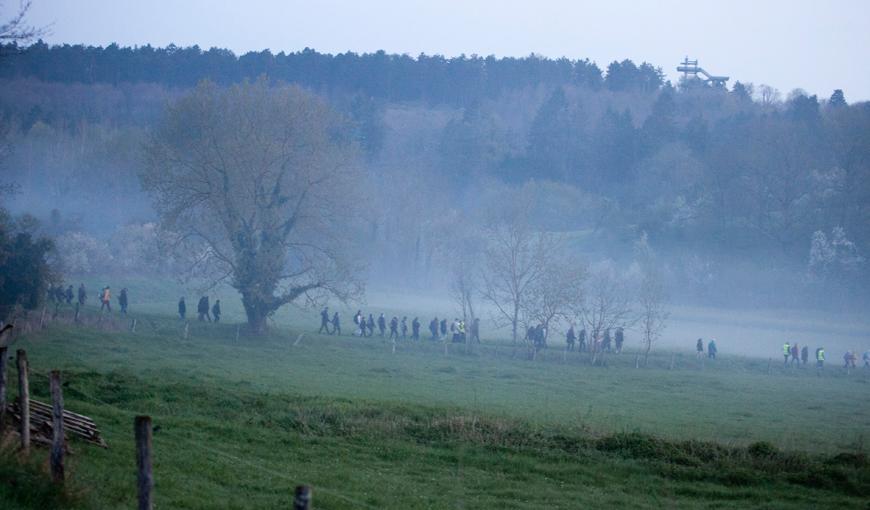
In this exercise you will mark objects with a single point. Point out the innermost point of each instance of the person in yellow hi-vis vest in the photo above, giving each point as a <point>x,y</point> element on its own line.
<point>786,351</point>
<point>820,357</point>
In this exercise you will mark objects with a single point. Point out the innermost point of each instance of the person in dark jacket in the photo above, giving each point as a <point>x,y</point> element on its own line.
<point>581,341</point>
<point>433,328</point>
<point>699,348</point>
<point>122,300</point>
<point>202,309</point>
<point>382,324</point>
<point>336,324</point>
<point>404,328</point>
<point>182,308</point>
<point>394,328</point>
<point>371,325</point>
<point>216,310</point>
<point>83,294</point>
<point>619,339</point>
<point>570,338</point>
<point>444,327</point>
<point>415,329</point>
<point>69,295</point>
<point>475,331</point>
<point>324,321</point>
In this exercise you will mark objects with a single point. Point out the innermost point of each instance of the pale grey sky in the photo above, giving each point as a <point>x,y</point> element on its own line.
<point>815,45</point>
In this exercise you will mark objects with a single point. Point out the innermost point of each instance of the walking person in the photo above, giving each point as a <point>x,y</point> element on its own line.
<point>795,354</point>
<point>699,347</point>
<point>83,294</point>
<point>404,328</point>
<point>712,350</point>
<point>570,338</point>
<point>69,295</point>
<point>620,339</point>
<point>581,341</point>
<point>106,299</point>
<point>394,328</point>
<point>433,328</point>
<point>336,324</point>
<point>805,355</point>
<point>216,310</point>
<point>371,325</point>
<point>820,358</point>
<point>122,300</point>
<point>475,331</point>
<point>415,329</point>
<point>786,352</point>
<point>382,324</point>
<point>202,309</point>
<point>324,321</point>
<point>182,308</point>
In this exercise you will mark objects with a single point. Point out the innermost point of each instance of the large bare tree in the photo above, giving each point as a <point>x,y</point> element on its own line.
<point>515,259</point>
<point>256,181</point>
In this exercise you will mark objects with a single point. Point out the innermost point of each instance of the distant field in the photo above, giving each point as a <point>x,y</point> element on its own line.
<point>741,332</point>
<point>418,429</point>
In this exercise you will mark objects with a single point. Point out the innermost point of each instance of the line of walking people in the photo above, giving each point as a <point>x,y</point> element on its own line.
<point>399,328</point>
<point>59,295</point>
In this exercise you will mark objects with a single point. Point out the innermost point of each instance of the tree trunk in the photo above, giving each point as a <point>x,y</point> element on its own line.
<point>257,312</point>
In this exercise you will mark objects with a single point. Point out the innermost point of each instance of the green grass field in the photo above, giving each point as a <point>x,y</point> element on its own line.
<point>240,423</point>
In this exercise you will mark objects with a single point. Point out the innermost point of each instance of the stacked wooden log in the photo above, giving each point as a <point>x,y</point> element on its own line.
<point>41,424</point>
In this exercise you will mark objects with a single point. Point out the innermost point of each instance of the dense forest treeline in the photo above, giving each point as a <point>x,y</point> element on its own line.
<point>433,79</point>
<point>738,189</point>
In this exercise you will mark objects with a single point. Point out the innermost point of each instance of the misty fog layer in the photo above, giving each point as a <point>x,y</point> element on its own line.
<point>745,196</point>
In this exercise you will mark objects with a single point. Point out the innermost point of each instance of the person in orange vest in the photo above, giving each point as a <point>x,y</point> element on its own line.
<point>105,298</point>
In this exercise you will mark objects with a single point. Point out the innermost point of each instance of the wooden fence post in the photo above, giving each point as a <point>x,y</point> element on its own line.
<point>302,498</point>
<point>3,351</point>
<point>23,399</point>
<point>57,442</point>
<point>145,484</point>
<point>186,330</point>
<point>133,326</point>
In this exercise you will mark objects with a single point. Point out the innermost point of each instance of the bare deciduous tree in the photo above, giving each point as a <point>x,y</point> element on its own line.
<point>653,315</point>
<point>515,258</point>
<point>254,181</point>
<point>555,294</point>
<point>606,305</point>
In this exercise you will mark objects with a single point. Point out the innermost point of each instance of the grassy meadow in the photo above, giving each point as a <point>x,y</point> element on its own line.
<point>239,423</point>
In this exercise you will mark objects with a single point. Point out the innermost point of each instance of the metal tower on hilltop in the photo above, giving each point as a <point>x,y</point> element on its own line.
<point>691,71</point>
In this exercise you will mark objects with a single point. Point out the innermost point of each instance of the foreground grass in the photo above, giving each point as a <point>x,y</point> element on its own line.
<point>241,424</point>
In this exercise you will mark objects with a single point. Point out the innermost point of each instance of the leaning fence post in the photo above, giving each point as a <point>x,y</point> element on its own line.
<point>302,498</point>
<point>57,443</point>
<point>23,399</point>
<point>133,326</point>
<point>142,425</point>
<point>3,351</point>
